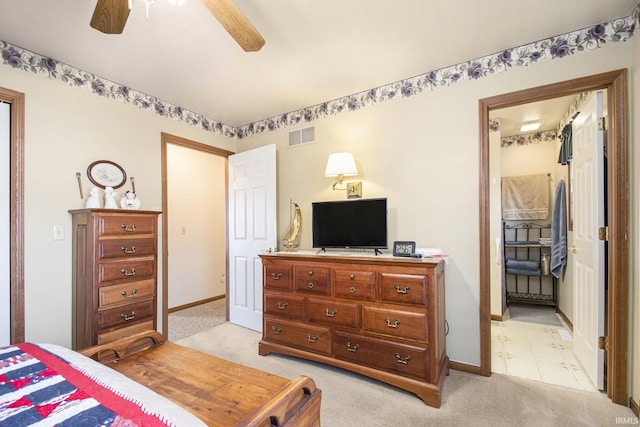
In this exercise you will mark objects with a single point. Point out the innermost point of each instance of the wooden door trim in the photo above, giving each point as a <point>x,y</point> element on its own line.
<point>615,82</point>
<point>16,209</point>
<point>187,143</point>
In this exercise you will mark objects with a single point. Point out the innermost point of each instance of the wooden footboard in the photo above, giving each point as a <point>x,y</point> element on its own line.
<point>219,392</point>
<point>296,404</point>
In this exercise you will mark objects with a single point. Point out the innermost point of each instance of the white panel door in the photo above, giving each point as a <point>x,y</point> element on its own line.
<point>588,203</point>
<point>5,292</point>
<point>252,230</point>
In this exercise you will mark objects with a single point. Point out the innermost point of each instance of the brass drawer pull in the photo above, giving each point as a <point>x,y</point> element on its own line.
<point>276,276</point>
<point>332,314</point>
<point>313,340</point>
<point>311,273</point>
<point>352,349</point>
<point>128,251</point>
<point>395,324</point>
<point>282,305</point>
<point>132,295</point>
<point>276,331</point>
<point>311,285</point>
<point>352,276</point>
<point>352,289</point>
<point>404,291</point>
<point>127,229</point>
<point>127,318</point>
<point>127,274</point>
<point>403,361</point>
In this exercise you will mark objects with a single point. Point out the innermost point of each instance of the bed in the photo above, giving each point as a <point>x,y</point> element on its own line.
<point>143,380</point>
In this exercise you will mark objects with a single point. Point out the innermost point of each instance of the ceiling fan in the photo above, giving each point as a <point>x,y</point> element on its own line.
<point>110,17</point>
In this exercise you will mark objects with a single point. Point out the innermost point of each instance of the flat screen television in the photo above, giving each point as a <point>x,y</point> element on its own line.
<point>360,223</point>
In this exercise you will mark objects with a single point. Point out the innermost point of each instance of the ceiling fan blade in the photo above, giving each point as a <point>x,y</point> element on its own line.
<point>110,16</point>
<point>236,24</point>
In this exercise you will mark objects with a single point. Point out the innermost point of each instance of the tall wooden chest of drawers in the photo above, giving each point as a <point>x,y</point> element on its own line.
<point>379,316</point>
<point>114,274</point>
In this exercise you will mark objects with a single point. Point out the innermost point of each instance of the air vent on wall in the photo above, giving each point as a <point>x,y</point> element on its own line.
<point>302,136</point>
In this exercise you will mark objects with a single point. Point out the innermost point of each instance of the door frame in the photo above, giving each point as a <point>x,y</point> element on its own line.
<point>615,82</point>
<point>16,212</point>
<point>165,139</point>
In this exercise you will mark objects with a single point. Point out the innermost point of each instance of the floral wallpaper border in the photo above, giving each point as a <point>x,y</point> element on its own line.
<point>556,47</point>
<point>528,138</point>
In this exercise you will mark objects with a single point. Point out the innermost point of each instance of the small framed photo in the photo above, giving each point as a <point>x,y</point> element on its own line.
<point>403,248</point>
<point>354,190</point>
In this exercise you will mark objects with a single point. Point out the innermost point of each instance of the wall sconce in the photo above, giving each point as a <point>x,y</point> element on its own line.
<point>341,165</point>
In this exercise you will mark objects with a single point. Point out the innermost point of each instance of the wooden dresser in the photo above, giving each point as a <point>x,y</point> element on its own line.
<point>114,274</point>
<point>379,316</point>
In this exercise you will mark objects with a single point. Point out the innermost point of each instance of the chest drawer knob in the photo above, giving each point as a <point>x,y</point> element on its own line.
<point>330,314</point>
<point>352,349</point>
<point>402,291</point>
<point>403,361</point>
<point>127,296</point>
<point>127,274</point>
<point>127,318</point>
<point>310,273</point>
<point>128,251</point>
<point>276,331</point>
<point>282,305</point>
<point>352,289</point>
<point>276,276</point>
<point>312,339</point>
<point>128,229</point>
<point>352,276</point>
<point>311,285</point>
<point>394,325</point>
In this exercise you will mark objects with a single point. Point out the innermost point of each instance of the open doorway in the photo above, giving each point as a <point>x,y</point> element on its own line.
<point>194,186</point>
<point>615,83</point>
<point>532,309</point>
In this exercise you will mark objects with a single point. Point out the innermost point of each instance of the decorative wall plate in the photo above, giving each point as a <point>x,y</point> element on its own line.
<point>105,173</point>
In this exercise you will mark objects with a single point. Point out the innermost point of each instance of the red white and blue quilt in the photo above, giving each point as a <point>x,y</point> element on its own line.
<point>38,388</point>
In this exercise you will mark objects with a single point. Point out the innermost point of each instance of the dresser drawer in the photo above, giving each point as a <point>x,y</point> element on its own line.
<point>125,293</point>
<point>306,337</point>
<point>126,270</point>
<point>397,323</point>
<point>404,288</point>
<point>312,279</point>
<point>389,356</point>
<point>125,332</point>
<point>116,248</point>
<point>129,225</point>
<point>287,305</point>
<point>277,277</point>
<point>333,312</point>
<point>123,316</point>
<point>354,284</point>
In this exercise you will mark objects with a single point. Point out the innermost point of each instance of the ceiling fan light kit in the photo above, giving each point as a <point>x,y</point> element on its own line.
<point>110,17</point>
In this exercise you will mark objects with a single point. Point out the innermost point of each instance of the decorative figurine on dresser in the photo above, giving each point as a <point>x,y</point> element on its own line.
<point>115,262</point>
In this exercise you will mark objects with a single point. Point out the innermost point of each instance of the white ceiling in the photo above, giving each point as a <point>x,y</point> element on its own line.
<point>315,51</point>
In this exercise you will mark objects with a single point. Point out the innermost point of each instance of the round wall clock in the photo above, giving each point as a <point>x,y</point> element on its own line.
<point>104,173</point>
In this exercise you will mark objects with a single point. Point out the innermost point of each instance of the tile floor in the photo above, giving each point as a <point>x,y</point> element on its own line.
<point>538,352</point>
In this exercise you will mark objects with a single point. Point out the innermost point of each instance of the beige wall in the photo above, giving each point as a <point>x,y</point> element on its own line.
<point>65,130</point>
<point>420,152</point>
<point>196,191</point>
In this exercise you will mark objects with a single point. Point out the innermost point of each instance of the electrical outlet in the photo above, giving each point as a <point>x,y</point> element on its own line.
<point>58,232</point>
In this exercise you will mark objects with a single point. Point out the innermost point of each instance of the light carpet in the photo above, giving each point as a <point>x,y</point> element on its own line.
<point>350,399</point>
